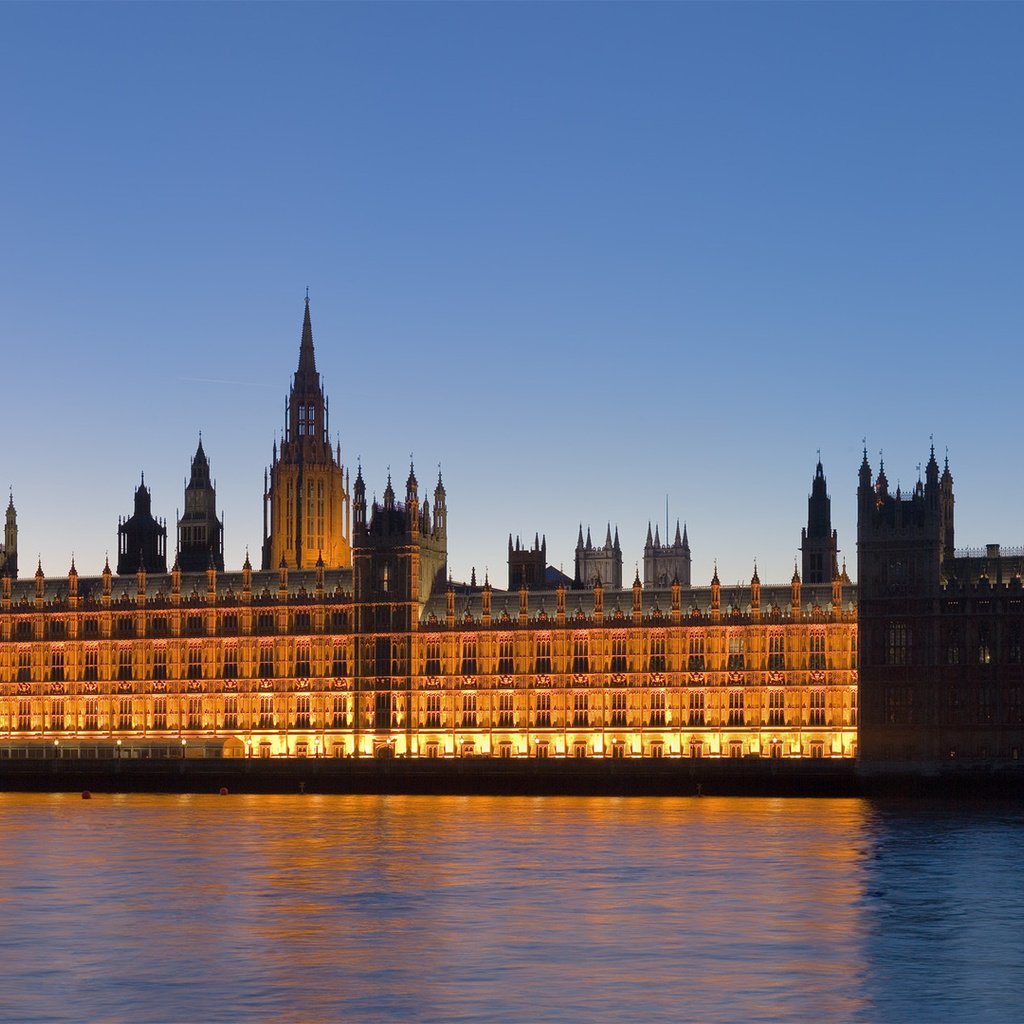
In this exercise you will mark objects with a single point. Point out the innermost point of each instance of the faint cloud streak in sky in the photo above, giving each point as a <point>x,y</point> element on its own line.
<point>216,380</point>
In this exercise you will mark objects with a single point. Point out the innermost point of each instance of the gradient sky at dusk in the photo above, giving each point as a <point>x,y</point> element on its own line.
<point>584,256</point>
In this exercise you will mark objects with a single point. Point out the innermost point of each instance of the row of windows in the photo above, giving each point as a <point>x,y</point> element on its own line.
<point>984,648</point>
<point>130,714</point>
<point>162,713</point>
<point>125,665</point>
<point>976,705</point>
<point>192,624</point>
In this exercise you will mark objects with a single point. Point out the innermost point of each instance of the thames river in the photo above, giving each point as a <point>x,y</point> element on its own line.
<point>310,908</point>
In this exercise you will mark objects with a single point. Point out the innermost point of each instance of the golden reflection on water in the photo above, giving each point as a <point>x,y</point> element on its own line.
<point>431,908</point>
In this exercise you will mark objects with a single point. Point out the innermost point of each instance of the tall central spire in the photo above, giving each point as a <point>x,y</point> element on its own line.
<point>306,497</point>
<point>307,360</point>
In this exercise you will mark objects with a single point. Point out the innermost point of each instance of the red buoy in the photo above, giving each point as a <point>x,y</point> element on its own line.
<point>86,795</point>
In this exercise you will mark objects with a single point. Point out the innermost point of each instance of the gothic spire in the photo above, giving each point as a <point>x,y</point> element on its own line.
<point>307,361</point>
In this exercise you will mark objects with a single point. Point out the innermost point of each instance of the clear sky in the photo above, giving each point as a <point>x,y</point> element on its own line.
<point>583,256</point>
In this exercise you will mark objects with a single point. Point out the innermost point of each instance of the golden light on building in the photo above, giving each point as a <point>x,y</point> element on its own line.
<point>351,641</point>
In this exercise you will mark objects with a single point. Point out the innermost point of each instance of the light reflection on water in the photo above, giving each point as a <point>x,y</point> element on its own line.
<point>167,908</point>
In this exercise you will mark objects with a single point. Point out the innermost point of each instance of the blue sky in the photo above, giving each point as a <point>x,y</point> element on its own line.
<point>584,256</point>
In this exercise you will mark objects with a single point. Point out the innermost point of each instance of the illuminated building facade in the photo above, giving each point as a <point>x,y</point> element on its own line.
<point>343,662</point>
<point>354,642</point>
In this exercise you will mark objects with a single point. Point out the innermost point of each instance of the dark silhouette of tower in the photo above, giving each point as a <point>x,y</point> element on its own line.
<point>818,542</point>
<point>9,551</point>
<point>200,532</point>
<point>902,542</point>
<point>141,539</point>
<point>527,567</point>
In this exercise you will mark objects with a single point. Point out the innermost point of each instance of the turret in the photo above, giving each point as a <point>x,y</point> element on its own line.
<point>527,566</point>
<point>485,602</point>
<point>412,503</point>
<point>865,497</point>
<point>598,563</point>
<point>200,531</point>
<point>440,509</point>
<point>359,500</point>
<point>666,562</point>
<point>818,541</point>
<point>946,510</point>
<point>141,539</point>
<point>9,551</point>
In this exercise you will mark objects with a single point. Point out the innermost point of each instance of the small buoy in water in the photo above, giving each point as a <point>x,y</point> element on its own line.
<point>86,795</point>
<point>223,790</point>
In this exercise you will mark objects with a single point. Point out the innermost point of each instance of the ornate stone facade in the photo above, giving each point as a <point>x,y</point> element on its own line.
<point>355,643</point>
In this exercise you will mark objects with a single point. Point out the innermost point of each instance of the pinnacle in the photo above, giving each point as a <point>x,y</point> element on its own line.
<point>307,360</point>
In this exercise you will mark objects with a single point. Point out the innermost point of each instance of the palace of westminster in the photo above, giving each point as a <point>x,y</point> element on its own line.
<point>351,640</point>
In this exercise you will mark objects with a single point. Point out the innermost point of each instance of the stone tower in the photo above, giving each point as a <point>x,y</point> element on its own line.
<point>666,563</point>
<point>200,532</point>
<point>818,541</point>
<point>595,564</point>
<point>527,567</point>
<point>306,498</point>
<point>386,591</point>
<point>141,539</point>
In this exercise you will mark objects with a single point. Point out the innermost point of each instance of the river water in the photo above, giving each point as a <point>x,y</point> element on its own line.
<point>363,908</point>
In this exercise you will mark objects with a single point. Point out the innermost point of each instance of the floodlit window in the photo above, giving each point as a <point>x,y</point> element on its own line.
<point>620,661</point>
<point>581,708</point>
<point>543,656</point>
<point>543,711</point>
<point>433,714</point>
<point>658,708</point>
<point>817,651</point>
<point>618,710</point>
<point>737,714</point>
<point>505,710</point>
<point>817,707</point>
<point>696,707</point>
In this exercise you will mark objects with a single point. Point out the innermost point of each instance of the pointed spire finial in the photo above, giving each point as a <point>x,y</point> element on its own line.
<point>307,360</point>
